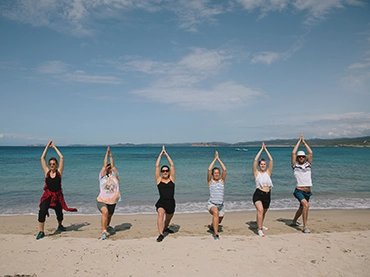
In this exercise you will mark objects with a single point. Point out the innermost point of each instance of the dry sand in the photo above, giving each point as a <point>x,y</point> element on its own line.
<point>339,245</point>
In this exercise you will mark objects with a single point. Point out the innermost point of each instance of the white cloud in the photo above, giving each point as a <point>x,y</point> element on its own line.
<point>353,124</point>
<point>268,57</point>
<point>80,17</point>
<point>182,83</point>
<point>359,65</point>
<point>222,97</point>
<point>317,10</point>
<point>359,82</point>
<point>52,67</point>
<point>60,71</point>
<point>264,5</point>
<point>192,13</point>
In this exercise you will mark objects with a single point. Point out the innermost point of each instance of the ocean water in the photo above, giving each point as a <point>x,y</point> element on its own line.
<point>341,178</point>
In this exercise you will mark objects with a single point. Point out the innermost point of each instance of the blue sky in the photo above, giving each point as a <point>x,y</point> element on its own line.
<point>166,71</point>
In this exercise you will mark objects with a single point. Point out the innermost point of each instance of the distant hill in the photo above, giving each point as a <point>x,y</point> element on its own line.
<point>339,142</point>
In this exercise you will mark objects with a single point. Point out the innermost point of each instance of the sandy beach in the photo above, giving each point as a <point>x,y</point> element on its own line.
<point>339,245</point>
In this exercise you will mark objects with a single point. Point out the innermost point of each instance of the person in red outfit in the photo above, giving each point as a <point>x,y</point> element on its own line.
<point>53,195</point>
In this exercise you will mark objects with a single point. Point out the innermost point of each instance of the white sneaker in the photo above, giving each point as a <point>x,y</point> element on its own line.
<point>260,233</point>
<point>104,235</point>
<point>306,230</point>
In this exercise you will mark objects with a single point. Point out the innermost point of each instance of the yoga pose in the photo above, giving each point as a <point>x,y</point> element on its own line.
<point>216,206</point>
<point>262,195</point>
<point>301,165</point>
<point>109,194</point>
<point>53,196</point>
<point>165,179</point>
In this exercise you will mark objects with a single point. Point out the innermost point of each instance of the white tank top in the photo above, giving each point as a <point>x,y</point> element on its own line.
<point>263,180</point>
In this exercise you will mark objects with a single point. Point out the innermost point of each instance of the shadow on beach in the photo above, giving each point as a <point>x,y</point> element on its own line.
<point>72,227</point>
<point>123,227</point>
<point>210,229</point>
<point>288,222</point>
<point>252,225</point>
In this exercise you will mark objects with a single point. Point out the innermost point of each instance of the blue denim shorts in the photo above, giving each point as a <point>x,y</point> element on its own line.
<point>300,195</point>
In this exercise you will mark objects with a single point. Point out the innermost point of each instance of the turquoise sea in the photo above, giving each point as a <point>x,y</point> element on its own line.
<point>341,178</point>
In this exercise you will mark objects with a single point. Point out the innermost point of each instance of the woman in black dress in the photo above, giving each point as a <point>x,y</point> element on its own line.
<point>165,179</point>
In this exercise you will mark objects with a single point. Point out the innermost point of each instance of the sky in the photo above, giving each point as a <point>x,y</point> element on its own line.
<point>178,71</point>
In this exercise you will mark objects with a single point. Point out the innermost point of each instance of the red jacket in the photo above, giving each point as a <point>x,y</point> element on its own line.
<point>55,196</point>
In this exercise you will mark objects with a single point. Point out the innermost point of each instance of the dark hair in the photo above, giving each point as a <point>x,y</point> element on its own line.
<point>261,160</point>
<point>215,168</point>
<point>165,166</point>
<point>53,159</point>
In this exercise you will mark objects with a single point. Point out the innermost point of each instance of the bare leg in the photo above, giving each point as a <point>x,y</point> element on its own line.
<point>104,219</point>
<point>160,220</point>
<point>215,219</point>
<point>298,214</point>
<point>306,206</point>
<point>167,221</point>
<point>260,214</point>
<point>41,226</point>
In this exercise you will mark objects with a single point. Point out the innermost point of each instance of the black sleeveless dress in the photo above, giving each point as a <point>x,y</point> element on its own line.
<point>166,197</point>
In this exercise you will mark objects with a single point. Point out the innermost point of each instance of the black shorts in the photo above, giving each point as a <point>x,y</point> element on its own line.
<point>110,207</point>
<point>167,204</point>
<point>264,197</point>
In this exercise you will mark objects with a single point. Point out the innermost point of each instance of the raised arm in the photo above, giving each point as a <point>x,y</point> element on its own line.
<point>157,170</point>
<point>61,158</point>
<point>114,169</point>
<point>209,172</point>
<point>310,153</point>
<point>172,166</point>
<point>223,174</point>
<point>294,152</point>
<point>105,162</point>
<point>43,156</point>
<point>255,163</point>
<point>271,161</point>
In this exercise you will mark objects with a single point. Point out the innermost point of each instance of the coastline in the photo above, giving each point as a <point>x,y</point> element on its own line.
<point>337,246</point>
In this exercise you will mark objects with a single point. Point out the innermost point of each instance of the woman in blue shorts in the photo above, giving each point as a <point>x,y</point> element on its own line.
<point>301,165</point>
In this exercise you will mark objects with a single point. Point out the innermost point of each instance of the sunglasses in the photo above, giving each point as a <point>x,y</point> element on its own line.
<point>301,157</point>
<point>52,163</point>
<point>165,170</point>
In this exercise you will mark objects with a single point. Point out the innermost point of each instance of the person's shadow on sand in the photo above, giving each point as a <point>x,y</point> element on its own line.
<point>210,229</point>
<point>252,225</point>
<point>123,227</point>
<point>72,227</point>
<point>289,222</point>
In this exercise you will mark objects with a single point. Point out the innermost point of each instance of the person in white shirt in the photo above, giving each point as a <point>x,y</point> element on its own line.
<point>262,194</point>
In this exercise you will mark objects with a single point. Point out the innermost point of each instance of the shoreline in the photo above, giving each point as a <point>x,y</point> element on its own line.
<point>337,246</point>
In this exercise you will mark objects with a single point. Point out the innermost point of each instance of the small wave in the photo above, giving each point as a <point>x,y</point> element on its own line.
<point>201,207</point>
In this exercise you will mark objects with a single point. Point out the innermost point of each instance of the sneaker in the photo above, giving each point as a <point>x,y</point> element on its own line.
<point>260,233</point>
<point>40,235</point>
<point>111,229</point>
<point>160,238</point>
<point>295,223</point>
<point>61,228</point>
<point>306,230</point>
<point>104,236</point>
<point>264,228</point>
<point>216,237</point>
<point>168,230</point>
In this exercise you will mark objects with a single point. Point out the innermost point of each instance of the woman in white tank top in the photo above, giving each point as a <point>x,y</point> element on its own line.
<point>262,194</point>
